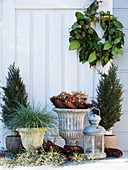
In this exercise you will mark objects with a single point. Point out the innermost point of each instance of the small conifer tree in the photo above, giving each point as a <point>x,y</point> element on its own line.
<point>14,93</point>
<point>109,97</point>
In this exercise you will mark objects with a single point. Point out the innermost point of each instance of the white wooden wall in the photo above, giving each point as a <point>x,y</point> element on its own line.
<point>121,128</point>
<point>35,36</point>
<point>1,45</point>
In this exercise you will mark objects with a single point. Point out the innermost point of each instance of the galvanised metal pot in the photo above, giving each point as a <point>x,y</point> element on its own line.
<point>13,144</point>
<point>71,123</point>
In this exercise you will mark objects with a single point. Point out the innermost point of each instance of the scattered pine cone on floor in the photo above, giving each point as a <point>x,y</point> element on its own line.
<point>76,100</point>
<point>67,150</point>
<point>55,148</point>
<point>75,149</point>
<point>113,152</point>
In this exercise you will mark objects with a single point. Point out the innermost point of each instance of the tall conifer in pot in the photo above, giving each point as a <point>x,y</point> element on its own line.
<point>14,92</point>
<point>109,97</point>
<point>109,101</point>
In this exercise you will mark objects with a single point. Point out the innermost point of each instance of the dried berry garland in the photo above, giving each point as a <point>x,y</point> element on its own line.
<point>85,38</point>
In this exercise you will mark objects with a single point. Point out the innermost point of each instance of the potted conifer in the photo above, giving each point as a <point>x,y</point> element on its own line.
<point>13,92</point>
<point>109,98</point>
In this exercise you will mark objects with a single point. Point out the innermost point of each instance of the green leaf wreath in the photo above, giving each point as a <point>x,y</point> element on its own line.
<point>85,38</point>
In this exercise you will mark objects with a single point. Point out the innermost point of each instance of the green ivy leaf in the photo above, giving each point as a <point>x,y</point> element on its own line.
<point>79,15</point>
<point>75,25</point>
<point>95,45</point>
<point>114,52</point>
<point>113,30</point>
<point>117,24</point>
<point>74,45</point>
<point>103,25</point>
<point>119,51</point>
<point>92,57</point>
<point>90,43</point>
<point>117,40</point>
<point>107,45</point>
<point>109,38</point>
<point>106,59</point>
<point>122,40</point>
<point>83,61</point>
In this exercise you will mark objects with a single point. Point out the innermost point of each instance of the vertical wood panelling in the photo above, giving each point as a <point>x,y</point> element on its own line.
<point>120,4</point>
<point>8,36</point>
<point>1,47</point>
<point>122,15</point>
<point>54,53</point>
<point>70,56</point>
<point>96,76</point>
<point>23,46</point>
<point>31,64</point>
<point>1,40</point>
<point>63,22</point>
<point>39,57</point>
<point>54,4</point>
<point>1,10</point>
<point>36,36</point>
<point>45,46</point>
<point>85,78</point>
<point>8,46</point>
<point>121,128</point>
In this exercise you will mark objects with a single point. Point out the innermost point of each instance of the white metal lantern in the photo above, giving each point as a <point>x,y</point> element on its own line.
<point>94,132</point>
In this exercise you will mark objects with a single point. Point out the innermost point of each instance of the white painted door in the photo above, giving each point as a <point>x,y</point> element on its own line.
<point>121,128</point>
<point>35,36</point>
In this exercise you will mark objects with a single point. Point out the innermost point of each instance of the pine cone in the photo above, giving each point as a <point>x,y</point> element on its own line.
<point>77,100</point>
<point>57,102</point>
<point>75,149</point>
<point>113,152</point>
<point>69,104</point>
<point>55,148</point>
<point>88,105</point>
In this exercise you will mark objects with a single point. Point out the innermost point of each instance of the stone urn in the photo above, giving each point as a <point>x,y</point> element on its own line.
<point>71,123</point>
<point>32,138</point>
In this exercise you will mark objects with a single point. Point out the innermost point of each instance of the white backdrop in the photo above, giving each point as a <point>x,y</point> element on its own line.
<point>35,36</point>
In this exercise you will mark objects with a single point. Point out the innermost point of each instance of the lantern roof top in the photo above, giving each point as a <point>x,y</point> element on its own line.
<point>93,130</point>
<point>94,119</point>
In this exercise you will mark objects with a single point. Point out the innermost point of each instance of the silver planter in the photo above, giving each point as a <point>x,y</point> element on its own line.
<point>71,123</point>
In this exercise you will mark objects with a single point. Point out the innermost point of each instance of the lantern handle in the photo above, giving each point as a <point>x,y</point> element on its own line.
<point>95,109</point>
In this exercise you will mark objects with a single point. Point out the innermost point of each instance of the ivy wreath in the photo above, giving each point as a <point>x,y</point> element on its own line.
<point>85,38</point>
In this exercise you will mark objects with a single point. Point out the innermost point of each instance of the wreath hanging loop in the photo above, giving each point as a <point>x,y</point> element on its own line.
<point>85,38</point>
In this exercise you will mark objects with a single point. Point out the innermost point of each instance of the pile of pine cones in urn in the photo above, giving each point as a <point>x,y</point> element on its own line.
<point>76,100</point>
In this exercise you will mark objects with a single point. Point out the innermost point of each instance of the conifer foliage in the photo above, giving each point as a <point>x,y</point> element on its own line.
<point>109,97</point>
<point>13,93</point>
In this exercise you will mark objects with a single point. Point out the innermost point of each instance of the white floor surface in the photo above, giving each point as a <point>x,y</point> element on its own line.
<point>106,164</point>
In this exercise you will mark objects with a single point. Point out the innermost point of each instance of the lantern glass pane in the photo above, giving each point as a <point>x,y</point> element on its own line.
<point>98,143</point>
<point>89,143</point>
<point>93,144</point>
